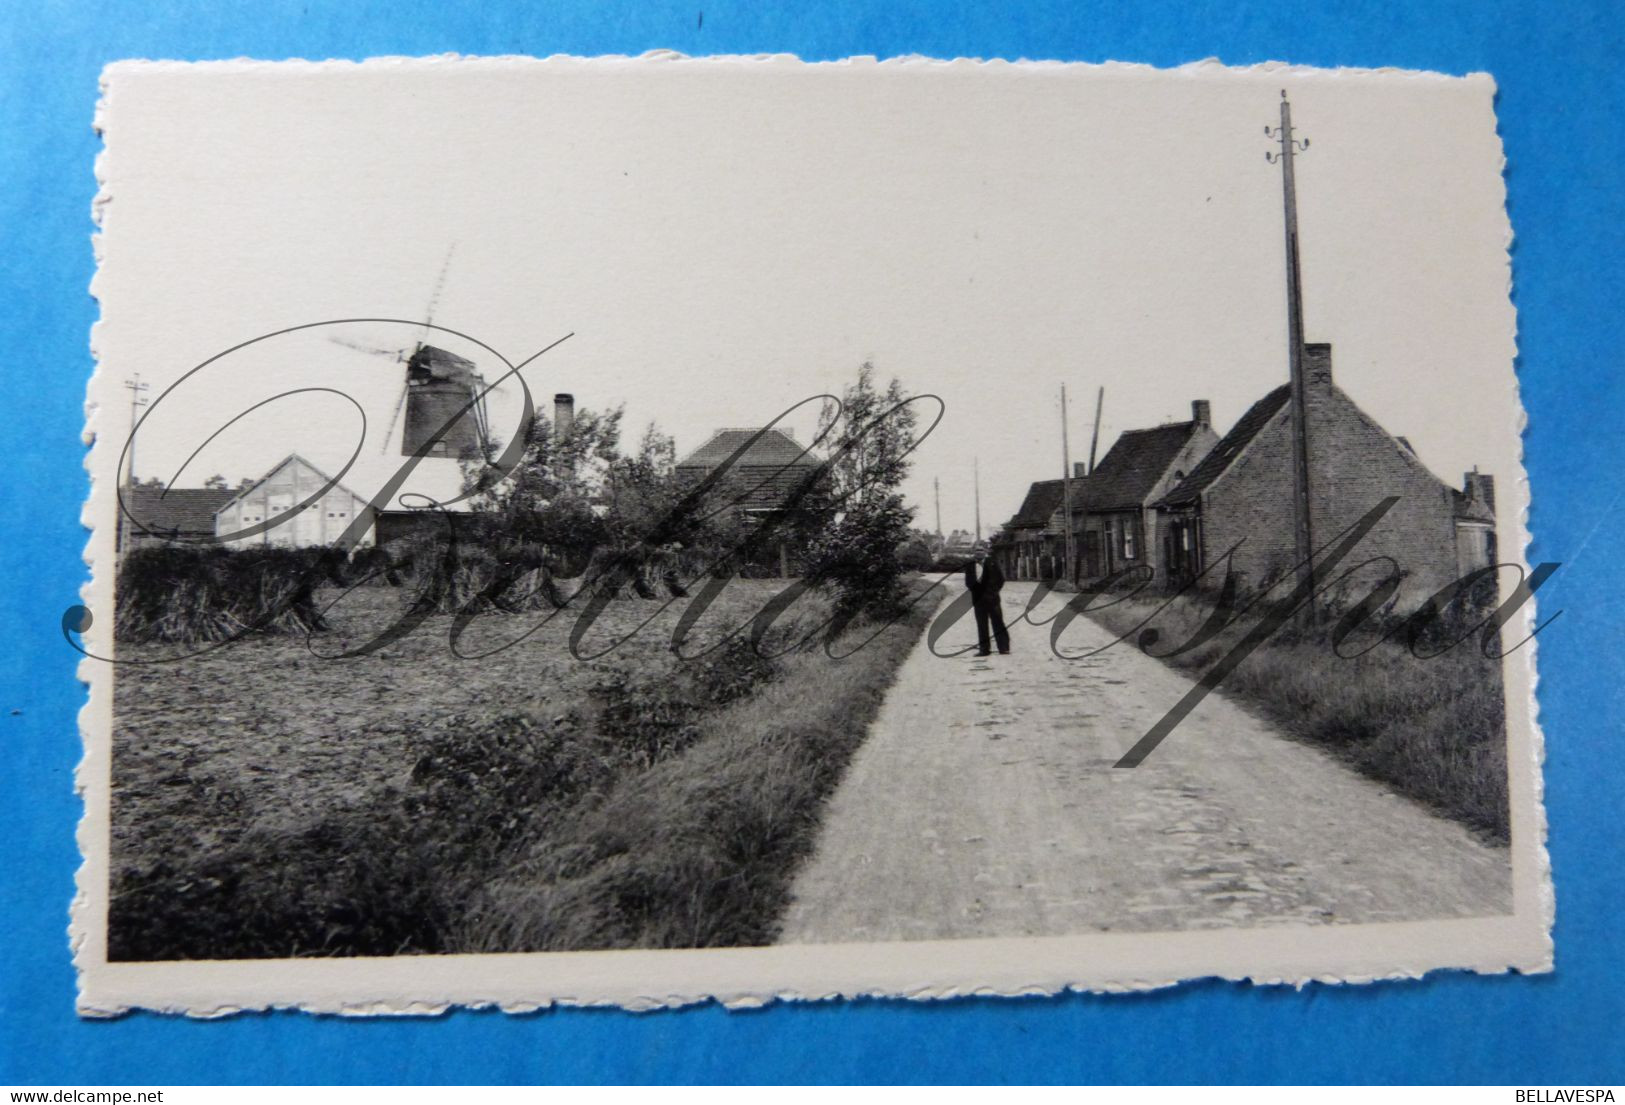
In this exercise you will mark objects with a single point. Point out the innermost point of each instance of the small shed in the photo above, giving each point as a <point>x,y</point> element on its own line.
<point>1030,544</point>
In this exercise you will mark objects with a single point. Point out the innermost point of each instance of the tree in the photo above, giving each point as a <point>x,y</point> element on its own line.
<point>548,470</point>
<point>216,482</point>
<point>916,554</point>
<point>581,496</point>
<point>867,438</point>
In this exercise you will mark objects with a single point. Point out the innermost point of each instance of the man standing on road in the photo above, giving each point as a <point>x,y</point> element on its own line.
<point>984,581</point>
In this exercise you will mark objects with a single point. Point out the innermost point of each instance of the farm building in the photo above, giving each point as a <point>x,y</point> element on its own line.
<point>763,466</point>
<point>1115,523</point>
<point>1030,545</point>
<point>155,515</point>
<point>1239,499</point>
<point>275,499</point>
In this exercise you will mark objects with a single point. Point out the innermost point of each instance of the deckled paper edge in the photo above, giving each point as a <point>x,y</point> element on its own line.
<point>92,775</point>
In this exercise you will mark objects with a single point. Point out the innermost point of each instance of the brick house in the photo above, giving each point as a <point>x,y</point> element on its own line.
<point>1241,496</point>
<point>1115,523</point>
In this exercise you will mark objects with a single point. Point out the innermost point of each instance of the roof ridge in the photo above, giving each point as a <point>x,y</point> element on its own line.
<point>1158,426</point>
<point>1228,448</point>
<point>768,441</point>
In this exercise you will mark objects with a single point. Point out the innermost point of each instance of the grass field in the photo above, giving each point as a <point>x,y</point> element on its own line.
<point>1433,728</point>
<point>270,802</point>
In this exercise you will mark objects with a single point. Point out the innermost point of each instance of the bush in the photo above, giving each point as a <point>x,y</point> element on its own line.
<point>655,719</point>
<point>858,558</point>
<point>362,882</point>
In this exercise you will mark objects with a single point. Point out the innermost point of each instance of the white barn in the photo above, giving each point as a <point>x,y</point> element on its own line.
<point>275,495</point>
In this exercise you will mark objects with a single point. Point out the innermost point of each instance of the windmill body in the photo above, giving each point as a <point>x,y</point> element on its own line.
<point>442,397</point>
<point>445,406</point>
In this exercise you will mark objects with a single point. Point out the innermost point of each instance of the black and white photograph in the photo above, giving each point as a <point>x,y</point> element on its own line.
<point>637,531</point>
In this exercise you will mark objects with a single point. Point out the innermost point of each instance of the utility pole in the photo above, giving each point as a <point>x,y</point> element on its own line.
<point>1100,401</point>
<point>976,484</point>
<point>936,493</point>
<point>136,387</point>
<point>1066,492</point>
<point>1302,537</point>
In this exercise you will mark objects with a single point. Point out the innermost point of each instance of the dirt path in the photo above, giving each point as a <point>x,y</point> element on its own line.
<point>985,803</point>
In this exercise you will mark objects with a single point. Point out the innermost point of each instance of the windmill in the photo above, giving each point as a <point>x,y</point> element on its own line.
<point>442,394</point>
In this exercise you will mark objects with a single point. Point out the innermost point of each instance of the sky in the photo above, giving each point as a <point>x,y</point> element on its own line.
<point>722,240</point>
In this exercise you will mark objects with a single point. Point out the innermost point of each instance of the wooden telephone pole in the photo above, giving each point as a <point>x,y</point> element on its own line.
<point>936,492</point>
<point>1302,537</point>
<point>136,387</point>
<point>976,483</point>
<point>1094,441</point>
<point>1066,494</point>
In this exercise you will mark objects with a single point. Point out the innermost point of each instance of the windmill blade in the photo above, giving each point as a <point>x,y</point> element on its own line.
<point>434,297</point>
<point>476,393</point>
<point>389,434</point>
<point>485,387</point>
<point>394,354</point>
<point>482,423</point>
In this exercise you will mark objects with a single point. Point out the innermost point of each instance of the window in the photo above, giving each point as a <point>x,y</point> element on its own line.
<point>1128,539</point>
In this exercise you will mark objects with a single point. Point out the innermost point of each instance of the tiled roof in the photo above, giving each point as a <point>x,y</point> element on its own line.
<point>1042,501</point>
<point>179,511</point>
<point>775,448</point>
<point>1222,455</point>
<point>1130,470</point>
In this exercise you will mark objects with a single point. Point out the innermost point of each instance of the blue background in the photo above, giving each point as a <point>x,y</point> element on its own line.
<point>1561,72</point>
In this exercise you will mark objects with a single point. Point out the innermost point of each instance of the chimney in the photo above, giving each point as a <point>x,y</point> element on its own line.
<point>1201,412</point>
<point>1317,366</point>
<point>564,421</point>
<point>1479,488</point>
<point>1080,469</point>
<point>564,415</point>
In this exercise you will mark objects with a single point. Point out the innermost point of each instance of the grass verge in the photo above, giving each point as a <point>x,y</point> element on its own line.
<point>1434,729</point>
<point>699,850</point>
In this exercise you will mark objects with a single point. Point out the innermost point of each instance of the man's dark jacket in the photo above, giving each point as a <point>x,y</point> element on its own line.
<point>991,583</point>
